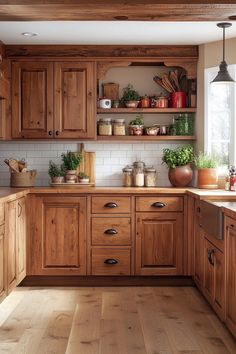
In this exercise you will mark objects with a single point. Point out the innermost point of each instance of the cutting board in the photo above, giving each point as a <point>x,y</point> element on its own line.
<point>88,163</point>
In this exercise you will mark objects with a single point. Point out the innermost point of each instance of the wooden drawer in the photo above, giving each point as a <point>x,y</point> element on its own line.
<point>160,203</point>
<point>111,231</point>
<point>111,204</point>
<point>101,257</point>
<point>2,214</point>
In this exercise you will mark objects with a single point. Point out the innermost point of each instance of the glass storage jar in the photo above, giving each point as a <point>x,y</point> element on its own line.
<point>128,176</point>
<point>184,124</point>
<point>104,126</point>
<point>119,127</point>
<point>138,173</point>
<point>150,177</point>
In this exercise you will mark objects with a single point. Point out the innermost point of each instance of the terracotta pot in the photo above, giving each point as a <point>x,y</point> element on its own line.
<point>71,176</point>
<point>180,176</point>
<point>131,104</point>
<point>207,178</point>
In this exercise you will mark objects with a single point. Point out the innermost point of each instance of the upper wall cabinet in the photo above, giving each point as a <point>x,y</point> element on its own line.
<point>53,100</point>
<point>75,100</point>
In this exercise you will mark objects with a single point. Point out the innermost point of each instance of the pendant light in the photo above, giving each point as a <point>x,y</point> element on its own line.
<point>223,75</point>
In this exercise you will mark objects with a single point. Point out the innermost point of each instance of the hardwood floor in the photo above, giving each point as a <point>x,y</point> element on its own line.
<point>124,320</point>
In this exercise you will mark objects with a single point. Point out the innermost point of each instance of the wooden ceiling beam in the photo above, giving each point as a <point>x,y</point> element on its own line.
<point>132,10</point>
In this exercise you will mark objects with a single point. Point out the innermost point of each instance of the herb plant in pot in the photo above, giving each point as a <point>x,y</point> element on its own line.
<point>71,161</point>
<point>136,125</point>
<point>56,172</point>
<point>83,177</point>
<point>179,162</point>
<point>130,97</point>
<point>206,166</point>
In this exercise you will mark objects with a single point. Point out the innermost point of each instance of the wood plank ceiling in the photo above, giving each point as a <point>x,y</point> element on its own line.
<point>103,10</point>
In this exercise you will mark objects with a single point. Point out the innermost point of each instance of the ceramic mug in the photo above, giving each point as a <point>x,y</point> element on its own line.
<point>105,103</point>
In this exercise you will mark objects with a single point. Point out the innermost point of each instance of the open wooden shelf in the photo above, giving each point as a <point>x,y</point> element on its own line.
<point>146,110</point>
<point>145,138</point>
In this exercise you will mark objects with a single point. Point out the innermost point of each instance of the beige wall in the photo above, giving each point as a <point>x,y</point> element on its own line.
<point>210,55</point>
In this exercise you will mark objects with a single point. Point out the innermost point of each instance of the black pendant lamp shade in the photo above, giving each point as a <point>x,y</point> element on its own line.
<point>223,75</point>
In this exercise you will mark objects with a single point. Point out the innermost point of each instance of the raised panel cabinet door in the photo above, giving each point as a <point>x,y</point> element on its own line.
<point>63,237</point>
<point>32,100</point>
<point>159,244</point>
<point>2,119</point>
<point>3,283</point>
<point>231,278</point>
<point>11,245</point>
<point>75,100</point>
<point>21,239</point>
<point>208,275</point>
<point>219,283</point>
<point>198,255</point>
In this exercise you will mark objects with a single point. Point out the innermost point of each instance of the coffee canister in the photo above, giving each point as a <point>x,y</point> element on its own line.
<point>105,103</point>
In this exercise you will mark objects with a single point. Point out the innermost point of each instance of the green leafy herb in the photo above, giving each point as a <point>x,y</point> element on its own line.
<point>129,94</point>
<point>83,175</point>
<point>203,160</point>
<point>180,156</point>
<point>55,170</point>
<point>71,160</point>
<point>138,120</point>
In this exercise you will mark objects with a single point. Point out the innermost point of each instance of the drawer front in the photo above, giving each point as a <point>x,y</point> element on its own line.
<point>110,204</point>
<point>229,222</point>
<point>159,204</point>
<point>2,214</point>
<point>111,231</point>
<point>111,261</point>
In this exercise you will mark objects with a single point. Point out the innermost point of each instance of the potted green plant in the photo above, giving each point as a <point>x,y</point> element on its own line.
<point>71,161</point>
<point>83,177</point>
<point>179,162</point>
<point>130,97</point>
<point>56,172</point>
<point>206,166</point>
<point>136,125</point>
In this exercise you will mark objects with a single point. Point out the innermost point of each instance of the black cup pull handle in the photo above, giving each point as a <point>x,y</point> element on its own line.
<point>110,232</point>
<point>111,205</point>
<point>110,261</point>
<point>158,205</point>
<point>50,132</point>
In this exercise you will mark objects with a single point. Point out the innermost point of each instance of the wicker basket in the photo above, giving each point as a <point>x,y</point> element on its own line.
<point>23,179</point>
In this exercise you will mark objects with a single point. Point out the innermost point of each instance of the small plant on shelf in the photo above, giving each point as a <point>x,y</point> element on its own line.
<point>83,177</point>
<point>178,160</point>
<point>56,172</point>
<point>71,161</point>
<point>136,125</point>
<point>130,97</point>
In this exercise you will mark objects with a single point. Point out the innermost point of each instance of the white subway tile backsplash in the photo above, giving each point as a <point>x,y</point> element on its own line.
<point>110,159</point>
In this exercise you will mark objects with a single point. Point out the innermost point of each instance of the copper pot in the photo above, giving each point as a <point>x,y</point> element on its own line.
<point>180,176</point>
<point>207,178</point>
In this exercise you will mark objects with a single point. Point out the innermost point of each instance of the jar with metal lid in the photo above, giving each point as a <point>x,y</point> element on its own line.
<point>119,127</point>
<point>150,177</point>
<point>138,173</point>
<point>128,176</point>
<point>104,126</point>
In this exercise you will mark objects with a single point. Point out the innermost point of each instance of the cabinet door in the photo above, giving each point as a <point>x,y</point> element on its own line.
<point>32,100</point>
<point>75,100</point>
<point>21,239</point>
<point>208,276</point>
<point>159,244</point>
<point>3,283</point>
<point>219,283</point>
<point>58,237</point>
<point>198,255</point>
<point>11,245</point>
<point>231,277</point>
<point>2,119</point>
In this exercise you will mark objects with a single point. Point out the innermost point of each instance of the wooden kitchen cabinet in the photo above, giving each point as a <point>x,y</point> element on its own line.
<point>21,239</point>
<point>32,100</point>
<point>75,101</point>
<point>11,220</point>
<point>198,255</point>
<point>57,240</point>
<point>230,239</point>
<point>3,262</point>
<point>53,100</point>
<point>159,243</point>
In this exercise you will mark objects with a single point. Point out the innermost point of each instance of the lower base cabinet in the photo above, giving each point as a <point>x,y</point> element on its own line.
<point>111,261</point>
<point>3,269</point>
<point>57,236</point>
<point>159,243</point>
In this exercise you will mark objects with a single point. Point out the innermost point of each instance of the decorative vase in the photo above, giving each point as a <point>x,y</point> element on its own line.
<point>207,178</point>
<point>71,176</point>
<point>131,104</point>
<point>178,99</point>
<point>180,176</point>
<point>57,179</point>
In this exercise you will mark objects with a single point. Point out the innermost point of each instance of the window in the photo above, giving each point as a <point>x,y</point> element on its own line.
<point>220,124</point>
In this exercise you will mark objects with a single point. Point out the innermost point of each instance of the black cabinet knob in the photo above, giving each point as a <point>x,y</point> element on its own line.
<point>111,205</point>
<point>110,261</point>
<point>158,205</point>
<point>50,132</point>
<point>110,232</point>
<point>57,132</point>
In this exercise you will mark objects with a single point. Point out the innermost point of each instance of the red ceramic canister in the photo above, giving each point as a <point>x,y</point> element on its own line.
<point>178,100</point>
